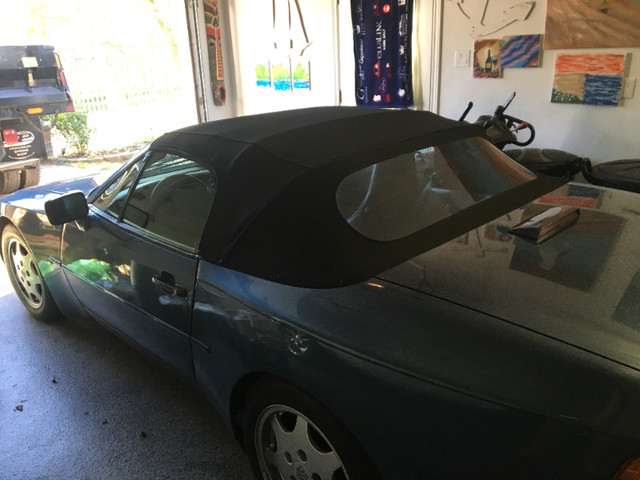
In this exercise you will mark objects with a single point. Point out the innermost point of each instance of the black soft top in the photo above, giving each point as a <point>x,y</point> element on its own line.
<point>275,214</point>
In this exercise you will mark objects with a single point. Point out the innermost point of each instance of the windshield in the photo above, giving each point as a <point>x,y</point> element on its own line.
<point>402,195</point>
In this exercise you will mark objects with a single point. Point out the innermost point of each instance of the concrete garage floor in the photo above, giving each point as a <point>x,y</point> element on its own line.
<point>79,403</point>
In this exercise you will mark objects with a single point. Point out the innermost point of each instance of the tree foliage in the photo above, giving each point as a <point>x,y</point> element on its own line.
<point>74,128</point>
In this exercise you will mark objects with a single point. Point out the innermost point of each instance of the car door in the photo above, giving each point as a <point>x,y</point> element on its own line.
<point>133,262</point>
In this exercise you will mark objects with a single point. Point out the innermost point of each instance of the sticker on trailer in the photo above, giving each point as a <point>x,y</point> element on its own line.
<point>30,143</point>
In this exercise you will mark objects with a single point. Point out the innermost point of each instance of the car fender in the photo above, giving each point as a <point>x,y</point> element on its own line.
<point>43,239</point>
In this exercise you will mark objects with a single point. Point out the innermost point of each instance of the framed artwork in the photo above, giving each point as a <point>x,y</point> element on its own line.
<point>520,51</point>
<point>592,24</point>
<point>486,58</point>
<point>590,79</point>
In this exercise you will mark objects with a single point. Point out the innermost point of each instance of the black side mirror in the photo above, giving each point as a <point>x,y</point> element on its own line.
<point>67,208</point>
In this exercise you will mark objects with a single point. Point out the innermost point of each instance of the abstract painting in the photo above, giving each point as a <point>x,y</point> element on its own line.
<point>486,58</point>
<point>590,79</point>
<point>592,24</point>
<point>520,51</point>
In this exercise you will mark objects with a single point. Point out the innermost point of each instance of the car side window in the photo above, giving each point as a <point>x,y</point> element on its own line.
<point>171,198</point>
<point>112,199</point>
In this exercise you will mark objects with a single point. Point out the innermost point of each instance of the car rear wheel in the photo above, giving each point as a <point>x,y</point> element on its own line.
<point>9,181</point>
<point>26,277</point>
<point>288,435</point>
<point>30,177</point>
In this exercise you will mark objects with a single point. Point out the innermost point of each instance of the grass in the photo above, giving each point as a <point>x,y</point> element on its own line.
<point>95,164</point>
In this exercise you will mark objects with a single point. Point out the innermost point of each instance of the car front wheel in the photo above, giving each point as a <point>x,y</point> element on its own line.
<point>26,277</point>
<point>288,435</point>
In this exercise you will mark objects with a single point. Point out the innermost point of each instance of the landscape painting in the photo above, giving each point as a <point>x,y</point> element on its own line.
<point>520,51</point>
<point>590,79</point>
<point>592,24</point>
<point>281,75</point>
<point>263,75</point>
<point>301,77</point>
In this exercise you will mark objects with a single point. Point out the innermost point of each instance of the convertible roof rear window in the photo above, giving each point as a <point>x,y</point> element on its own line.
<point>402,195</point>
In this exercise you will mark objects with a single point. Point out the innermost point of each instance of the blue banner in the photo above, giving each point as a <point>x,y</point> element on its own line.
<point>382,44</point>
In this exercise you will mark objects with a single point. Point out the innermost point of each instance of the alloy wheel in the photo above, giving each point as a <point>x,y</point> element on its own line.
<point>25,272</point>
<point>291,447</point>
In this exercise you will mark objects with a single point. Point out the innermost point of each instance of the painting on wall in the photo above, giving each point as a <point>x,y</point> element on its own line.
<point>590,79</point>
<point>281,75</point>
<point>301,76</point>
<point>486,58</point>
<point>520,51</point>
<point>592,24</point>
<point>263,75</point>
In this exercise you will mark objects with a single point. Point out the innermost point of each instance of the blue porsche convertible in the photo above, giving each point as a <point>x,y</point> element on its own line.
<point>361,293</point>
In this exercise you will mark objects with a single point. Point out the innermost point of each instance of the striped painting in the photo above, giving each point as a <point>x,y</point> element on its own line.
<point>589,79</point>
<point>521,51</point>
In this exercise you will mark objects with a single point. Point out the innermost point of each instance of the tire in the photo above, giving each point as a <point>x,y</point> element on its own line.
<point>30,177</point>
<point>289,435</point>
<point>9,181</point>
<point>26,278</point>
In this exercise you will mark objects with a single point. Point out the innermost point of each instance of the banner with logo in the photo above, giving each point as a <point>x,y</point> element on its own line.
<point>382,43</point>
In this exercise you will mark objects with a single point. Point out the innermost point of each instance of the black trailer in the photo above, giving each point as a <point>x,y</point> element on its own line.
<point>32,84</point>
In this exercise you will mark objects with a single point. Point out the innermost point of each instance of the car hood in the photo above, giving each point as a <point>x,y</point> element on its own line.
<point>34,198</point>
<point>84,184</point>
<point>581,287</point>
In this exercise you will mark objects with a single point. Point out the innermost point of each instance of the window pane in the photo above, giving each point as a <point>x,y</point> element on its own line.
<point>172,199</point>
<point>397,197</point>
<point>111,200</point>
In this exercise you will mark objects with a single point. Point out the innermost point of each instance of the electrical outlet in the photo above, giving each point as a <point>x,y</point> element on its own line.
<point>461,58</point>
<point>628,87</point>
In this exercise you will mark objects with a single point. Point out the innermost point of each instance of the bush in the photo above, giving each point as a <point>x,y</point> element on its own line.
<point>74,128</point>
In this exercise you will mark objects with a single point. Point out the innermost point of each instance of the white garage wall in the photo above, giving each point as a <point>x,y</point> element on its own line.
<point>601,133</point>
<point>247,37</point>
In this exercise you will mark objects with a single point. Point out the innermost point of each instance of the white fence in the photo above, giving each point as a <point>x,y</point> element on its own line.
<point>130,98</point>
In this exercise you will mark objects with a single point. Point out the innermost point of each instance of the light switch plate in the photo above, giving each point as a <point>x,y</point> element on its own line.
<point>628,87</point>
<point>461,58</point>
